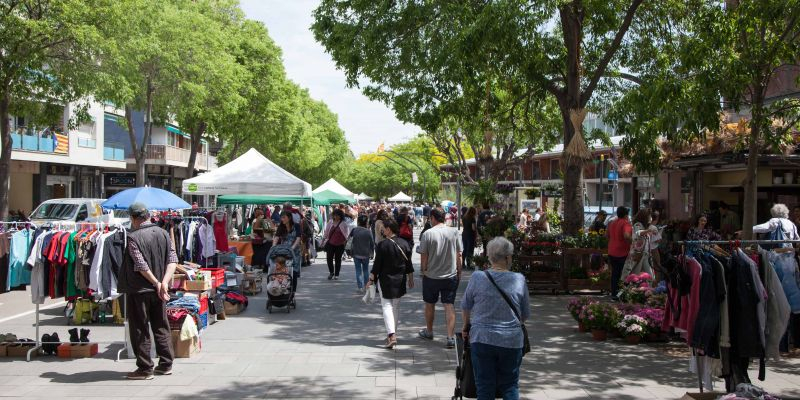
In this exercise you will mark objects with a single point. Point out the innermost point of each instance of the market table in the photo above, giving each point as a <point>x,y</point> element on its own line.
<point>244,248</point>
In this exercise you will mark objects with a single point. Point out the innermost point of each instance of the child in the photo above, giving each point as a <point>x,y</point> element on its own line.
<point>279,286</point>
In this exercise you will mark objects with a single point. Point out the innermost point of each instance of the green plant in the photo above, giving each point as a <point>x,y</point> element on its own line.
<point>533,193</point>
<point>577,305</point>
<point>600,316</point>
<point>578,272</point>
<point>553,190</point>
<point>483,192</point>
<point>554,219</point>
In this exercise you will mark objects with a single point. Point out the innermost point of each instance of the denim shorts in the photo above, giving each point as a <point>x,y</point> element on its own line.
<point>433,288</point>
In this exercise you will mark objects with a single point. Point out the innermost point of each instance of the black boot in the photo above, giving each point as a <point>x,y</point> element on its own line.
<point>73,335</point>
<point>84,336</point>
<point>56,342</point>
<point>46,344</point>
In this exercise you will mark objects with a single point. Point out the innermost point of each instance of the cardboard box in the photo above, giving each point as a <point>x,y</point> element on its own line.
<point>20,351</point>
<point>184,348</point>
<point>232,309</point>
<point>3,352</point>
<point>77,350</point>
<point>701,396</point>
<point>196,285</point>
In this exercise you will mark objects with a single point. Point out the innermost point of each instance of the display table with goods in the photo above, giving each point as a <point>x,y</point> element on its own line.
<point>585,258</point>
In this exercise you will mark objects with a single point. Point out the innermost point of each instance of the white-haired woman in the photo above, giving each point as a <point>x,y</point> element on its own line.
<point>780,218</point>
<point>492,327</point>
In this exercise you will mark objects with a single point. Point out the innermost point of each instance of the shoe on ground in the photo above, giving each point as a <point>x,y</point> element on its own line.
<point>451,343</point>
<point>336,277</point>
<point>330,276</point>
<point>391,342</point>
<point>140,375</point>
<point>425,334</point>
<point>159,370</point>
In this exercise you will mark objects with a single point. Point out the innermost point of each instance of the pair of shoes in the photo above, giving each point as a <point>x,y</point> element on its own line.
<point>330,276</point>
<point>359,291</point>
<point>425,334</point>
<point>140,375</point>
<point>391,341</point>
<point>162,370</point>
<point>451,343</point>
<point>336,277</point>
<point>73,335</point>
<point>50,343</point>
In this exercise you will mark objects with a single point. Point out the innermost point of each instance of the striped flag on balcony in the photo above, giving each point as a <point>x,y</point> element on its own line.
<point>61,143</point>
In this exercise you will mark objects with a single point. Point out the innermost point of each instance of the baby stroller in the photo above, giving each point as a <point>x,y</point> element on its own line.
<point>286,299</point>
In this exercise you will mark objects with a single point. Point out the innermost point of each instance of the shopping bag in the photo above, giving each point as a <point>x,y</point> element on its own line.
<point>371,295</point>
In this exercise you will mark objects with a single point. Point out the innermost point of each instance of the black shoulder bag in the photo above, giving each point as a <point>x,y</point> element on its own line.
<point>526,344</point>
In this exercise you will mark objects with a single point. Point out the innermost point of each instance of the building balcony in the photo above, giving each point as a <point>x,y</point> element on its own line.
<point>113,151</point>
<point>44,141</point>
<point>161,154</point>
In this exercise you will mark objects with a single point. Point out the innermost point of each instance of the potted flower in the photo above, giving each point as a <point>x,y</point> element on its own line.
<point>633,328</point>
<point>600,318</point>
<point>654,317</point>
<point>576,307</point>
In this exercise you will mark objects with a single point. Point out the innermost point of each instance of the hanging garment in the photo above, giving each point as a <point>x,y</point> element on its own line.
<point>221,232</point>
<point>785,265</point>
<point>19,252</point>
<point>778,310</point>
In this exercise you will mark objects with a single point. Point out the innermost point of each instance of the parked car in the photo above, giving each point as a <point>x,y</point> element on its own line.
<point>68,210</point>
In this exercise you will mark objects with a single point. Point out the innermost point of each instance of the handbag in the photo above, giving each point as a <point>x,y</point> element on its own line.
<point>526,344</point>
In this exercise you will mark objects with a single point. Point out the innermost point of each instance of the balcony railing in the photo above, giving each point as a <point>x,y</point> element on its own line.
<point>44,141</point>
<point>177,156</point>
<point>113,151</point>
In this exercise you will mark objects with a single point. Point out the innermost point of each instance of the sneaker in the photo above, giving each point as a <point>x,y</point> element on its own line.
<point>451,343</point>
<point>159,370</point>
<point>336,277</point>
<point>330,276</point>
<point>425,334</point>
<point>140,375</point>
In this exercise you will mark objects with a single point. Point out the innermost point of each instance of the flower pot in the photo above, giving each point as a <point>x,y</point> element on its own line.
<point>599,335</point>
<point>582,327</point>
<point>633,339</point>
<point>614,333</point>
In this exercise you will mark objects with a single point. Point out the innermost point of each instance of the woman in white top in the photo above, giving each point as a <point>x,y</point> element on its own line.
<point>780,218</point>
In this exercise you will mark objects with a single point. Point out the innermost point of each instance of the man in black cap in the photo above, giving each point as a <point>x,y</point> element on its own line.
<point>149,263</point>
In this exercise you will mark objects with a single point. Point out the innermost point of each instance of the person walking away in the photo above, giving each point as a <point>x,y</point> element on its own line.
<point>149,263</point>
<point>620,234</point>
<point>363,249</point>
<point>336,232</point>
<point>639,260</point>
<point>379,221</point>
<point>469,235</point>
<point>492,328</point>
<point>728,221</point>
<point>289,234</point>
<point>441,251</point>
<point>426,213</point>
<point>393,271</point>
<point>406,225</point>
<point>780,219</point>
<point>307,223</point>
<point>261,238</point>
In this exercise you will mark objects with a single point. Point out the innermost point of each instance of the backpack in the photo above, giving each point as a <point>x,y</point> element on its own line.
<point>405,230</point>
<point>777,234</point>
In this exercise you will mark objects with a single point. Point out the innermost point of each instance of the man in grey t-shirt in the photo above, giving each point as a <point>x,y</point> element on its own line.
<point>441,249</point>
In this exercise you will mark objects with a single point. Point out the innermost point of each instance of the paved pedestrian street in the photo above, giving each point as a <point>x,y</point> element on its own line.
<point>330,347</point>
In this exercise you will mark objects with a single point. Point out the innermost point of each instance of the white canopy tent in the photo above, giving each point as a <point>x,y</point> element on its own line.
<point>400,197</point>
<point>335,187</point>
<point>363,196</point>
<point>251,173</point>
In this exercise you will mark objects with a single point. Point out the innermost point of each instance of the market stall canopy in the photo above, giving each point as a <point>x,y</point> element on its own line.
<point>400,197</point>
<point>363,196</point>
<point>328,197</point>
<point>260,199</point>
<point>152,198</point>
<point>251,173</point>
<point>335,187</point>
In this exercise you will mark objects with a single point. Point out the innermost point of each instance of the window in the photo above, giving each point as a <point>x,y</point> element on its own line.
<point>86,135</point>
<point>536,172</point>
<point>555,169</point>
<point>604,192</point>
<point>55,211</point>
<point>83,213</point>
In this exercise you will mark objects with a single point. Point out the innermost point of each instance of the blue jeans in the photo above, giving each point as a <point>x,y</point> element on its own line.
<point>496,371</point>
<point>362,271</point>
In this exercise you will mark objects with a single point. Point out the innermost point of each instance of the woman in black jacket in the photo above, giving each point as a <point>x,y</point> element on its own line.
<point>394,272</point>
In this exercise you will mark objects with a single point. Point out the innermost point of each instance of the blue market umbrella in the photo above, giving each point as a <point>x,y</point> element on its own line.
<point>152,198</point>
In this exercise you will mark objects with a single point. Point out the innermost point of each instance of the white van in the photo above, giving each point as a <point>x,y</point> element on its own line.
<point>68,210</point>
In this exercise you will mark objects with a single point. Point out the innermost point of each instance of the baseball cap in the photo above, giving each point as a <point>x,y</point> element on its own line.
<point>138,210</point>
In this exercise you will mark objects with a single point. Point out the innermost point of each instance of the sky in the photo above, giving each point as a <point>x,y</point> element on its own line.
<point>366,123</point>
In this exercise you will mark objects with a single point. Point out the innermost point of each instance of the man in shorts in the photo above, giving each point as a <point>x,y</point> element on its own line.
<point>440,247</point>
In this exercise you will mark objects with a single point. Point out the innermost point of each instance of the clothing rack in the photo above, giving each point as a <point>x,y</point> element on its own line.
<point>735,243</point>
<point>37,339</point>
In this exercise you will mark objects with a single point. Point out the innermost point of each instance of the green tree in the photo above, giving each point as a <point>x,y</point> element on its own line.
<point>46,56</point>
<point>481,62</point>
<point>732,52</point>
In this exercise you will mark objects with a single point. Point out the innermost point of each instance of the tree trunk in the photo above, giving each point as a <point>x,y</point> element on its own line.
<point>138,156</point>
<point>141,171</point>
<point>197,135</point>
<point>750,206</point>
<point>5,156</point>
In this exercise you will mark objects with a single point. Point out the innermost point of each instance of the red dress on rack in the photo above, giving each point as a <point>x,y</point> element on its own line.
<point>221,232</point>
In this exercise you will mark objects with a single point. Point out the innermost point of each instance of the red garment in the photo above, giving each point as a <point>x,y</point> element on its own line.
<point>221,233</point>
<point>617,245</point>
<point>689,305</point>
